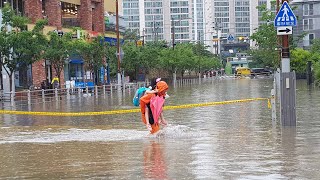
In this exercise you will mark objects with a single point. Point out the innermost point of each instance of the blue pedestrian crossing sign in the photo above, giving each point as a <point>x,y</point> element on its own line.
<point>285,16</point>
<point>230,37</point>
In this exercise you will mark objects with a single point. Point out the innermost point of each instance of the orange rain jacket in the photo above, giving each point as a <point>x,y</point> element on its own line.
<point>162,88</point>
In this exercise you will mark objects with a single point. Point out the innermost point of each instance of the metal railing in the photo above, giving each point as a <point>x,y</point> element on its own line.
<point>49,95</point>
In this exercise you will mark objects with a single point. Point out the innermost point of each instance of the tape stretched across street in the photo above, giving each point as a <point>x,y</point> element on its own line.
<point>125,111</point>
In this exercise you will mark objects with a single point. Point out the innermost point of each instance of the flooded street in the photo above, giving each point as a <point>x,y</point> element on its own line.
<point>231,141</point>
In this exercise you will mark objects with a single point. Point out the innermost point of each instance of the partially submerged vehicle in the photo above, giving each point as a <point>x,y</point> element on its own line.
<point>260,72</point>
<point>243,71</point>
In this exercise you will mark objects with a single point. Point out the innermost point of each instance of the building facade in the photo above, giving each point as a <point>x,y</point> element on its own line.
<point>160,19</point>
<point>308,17</point>
<point>233,21</point>
<point>62,15</point>
<point>193,20</point>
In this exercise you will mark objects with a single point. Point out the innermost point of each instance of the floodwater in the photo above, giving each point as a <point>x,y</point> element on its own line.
<point>233,141</point>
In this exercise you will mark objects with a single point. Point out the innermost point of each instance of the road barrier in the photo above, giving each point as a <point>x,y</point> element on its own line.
<point>29,97</point>
<point>125,111</point>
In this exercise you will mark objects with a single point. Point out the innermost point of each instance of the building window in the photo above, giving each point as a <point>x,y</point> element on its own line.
<point>308,9</point>
<point>308,24</point>
<point>305,24</point>
<point>311,38</point>
<point>17,5</point>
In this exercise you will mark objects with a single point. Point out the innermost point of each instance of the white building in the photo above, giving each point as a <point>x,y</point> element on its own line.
<point>193,20</point>
<point>308,21</point>
<point>155,19</point>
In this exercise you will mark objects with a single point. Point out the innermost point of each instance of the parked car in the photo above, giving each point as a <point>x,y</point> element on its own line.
<point>260,71</point>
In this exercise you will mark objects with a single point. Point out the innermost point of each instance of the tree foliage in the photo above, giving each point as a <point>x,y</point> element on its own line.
<point>315,58</point>
<point>57,51</point>
<point>93,53</point>
<point>19,48</point>
<point>268,48</point>
<point>265,39</point>
<point>299,58</point>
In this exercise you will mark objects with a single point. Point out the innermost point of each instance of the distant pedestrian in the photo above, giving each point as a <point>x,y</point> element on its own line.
<point>55,82</point>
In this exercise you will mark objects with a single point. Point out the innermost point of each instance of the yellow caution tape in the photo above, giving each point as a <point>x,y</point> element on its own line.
<point>125,111</point>
<point>269,104</point>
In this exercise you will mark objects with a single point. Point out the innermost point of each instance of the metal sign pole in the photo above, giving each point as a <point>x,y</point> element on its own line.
<point>118,43</point>
<point>284,21</point>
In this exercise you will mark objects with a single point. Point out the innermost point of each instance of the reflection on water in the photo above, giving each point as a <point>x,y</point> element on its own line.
<point>234,141</point>
<point>155,166</point>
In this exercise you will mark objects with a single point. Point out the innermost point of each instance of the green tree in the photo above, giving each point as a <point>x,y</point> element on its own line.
<point>315,58</point>
<point>299,58</point>
<point>316,69</point>
<point>267,52</point>
<point>19,48</point>
<point>131,60</point>
<point>131,35</point>
<point>204,59</point>
<point>228,68</point>
<point>57,51</point>
<point>93,54</point>
<point>265,38</point>
<point>4,50</point>
<point>112,59</point>
<point>150,55</point>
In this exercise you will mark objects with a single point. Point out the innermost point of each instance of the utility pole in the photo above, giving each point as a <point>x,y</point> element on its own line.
<point>285,56</point>
<point>154,30</point>
<point>278,37</point>
<point>173,33</point>
<point>285,19</point>
<point>143,36</point>
<point>118,41</point>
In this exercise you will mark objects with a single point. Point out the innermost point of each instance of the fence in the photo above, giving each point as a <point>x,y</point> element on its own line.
<point>49,95</point>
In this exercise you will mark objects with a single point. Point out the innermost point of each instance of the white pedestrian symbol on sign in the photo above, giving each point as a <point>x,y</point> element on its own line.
<point>230,37</point>
<point>285,16</point>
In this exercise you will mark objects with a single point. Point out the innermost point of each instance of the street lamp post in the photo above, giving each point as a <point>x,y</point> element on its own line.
<point>173,33</point>
<point>173,29</point>
<point>173,44</point>
<point>118,42</point>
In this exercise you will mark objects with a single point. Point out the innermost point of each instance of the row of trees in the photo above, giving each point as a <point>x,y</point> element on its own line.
<point>268,48</point>
<point>21,48</point>
<point>156,57</point>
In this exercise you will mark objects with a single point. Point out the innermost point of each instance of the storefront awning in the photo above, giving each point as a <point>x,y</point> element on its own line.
<point>77,2</point>
<point>76,61</point>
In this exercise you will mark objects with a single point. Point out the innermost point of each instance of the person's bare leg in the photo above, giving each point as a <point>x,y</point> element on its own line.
<point>162,120</point>
<point>147,119</point>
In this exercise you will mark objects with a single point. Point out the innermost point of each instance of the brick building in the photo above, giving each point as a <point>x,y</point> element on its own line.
<point>61,14</point>
<point>88,14</point>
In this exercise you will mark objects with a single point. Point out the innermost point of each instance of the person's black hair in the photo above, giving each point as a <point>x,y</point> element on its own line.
<point>153,83</point>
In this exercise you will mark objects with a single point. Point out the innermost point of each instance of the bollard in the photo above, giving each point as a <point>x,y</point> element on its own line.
<point>68,93</point>
<point>273,105</point>
<point>42,93</point>
<point>79,92</point>
<point>87,90</point>
<point>110,89</point>
<point>96,91</point>
<point>29,97</point>
<point>56,93</point>
<point>104,89</point>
